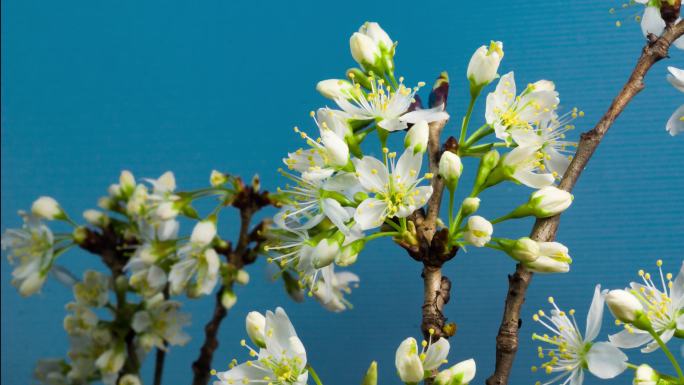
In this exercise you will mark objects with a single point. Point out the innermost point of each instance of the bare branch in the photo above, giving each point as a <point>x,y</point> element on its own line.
<point>545,229</point>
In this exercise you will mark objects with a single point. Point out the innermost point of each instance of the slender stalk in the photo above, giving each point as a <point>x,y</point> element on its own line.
<point>314,375</point>
<point>480,133</point>
<point>545,229</point>
<point>668,353</point>
<point>466,119</point>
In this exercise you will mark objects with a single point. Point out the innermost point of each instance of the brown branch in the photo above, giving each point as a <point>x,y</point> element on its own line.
<point>545,229</point>
<point>248,201</point>
<point>159,359</point>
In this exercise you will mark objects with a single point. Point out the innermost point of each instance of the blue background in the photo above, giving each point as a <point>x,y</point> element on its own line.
<point>90,88</point>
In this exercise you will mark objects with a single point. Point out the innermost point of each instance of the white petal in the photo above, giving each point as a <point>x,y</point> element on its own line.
<point>407,168</point>
<point>373,174</point>
<point>337,214</point>
<point>393,124</point>
<point>675,124</point>
<point>676,78</point>
<point>605,360</point>
<point>531,179</point>
<point>595,315</point>
<point>245,370</point>
<point>652,22</point>
<point>577,377</point>
<point>436,354</point>
<point>429,115</point>
<point>627,340</point>
<point>370,213</point>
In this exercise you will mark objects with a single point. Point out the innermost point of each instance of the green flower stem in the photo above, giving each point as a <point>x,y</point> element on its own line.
<point>466,119</point>
<point>502,218</point>
<point>315,377</point>
<point>668,353</point>
<point>632,366</point>
<point>451,208</point>
<point>382,234</point>
<point>480,133</point>
<point>494,246</point>
<point>394,225</point>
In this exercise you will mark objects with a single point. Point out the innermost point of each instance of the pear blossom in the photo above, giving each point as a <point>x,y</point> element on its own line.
<point>549,201</point>
<point>570,352</point>
<point>394,186</point>
<point>524,164</point>
<point>112,360</point>
<point>478,231</point>
<point>160,321</point>
<point>255,324</point>
<point>389,108</point>
<point>81,320</point>
<point>159,240</point>
<point>548,137</point>
<point>412,364</point>
<point>505,111</point>
<point>163,199</point>
<point>326,155</point>
<point>675,124</point>
<point>417,137</point>
<point>652,21</point>
<point>311,201</point>
<point>330,292</point>
<point>281,361</point>
<point>201,263</point>
<point>32,247</point>
<point>335,88</point>
<point>664,308</point>
<point>93,291</point>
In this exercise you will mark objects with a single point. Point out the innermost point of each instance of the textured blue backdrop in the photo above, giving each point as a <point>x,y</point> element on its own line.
<point>90,88</point>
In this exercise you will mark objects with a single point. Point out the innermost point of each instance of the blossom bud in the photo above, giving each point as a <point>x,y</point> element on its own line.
<point>31,284</point>
<point>417,137</point>
<point>379,36</point>
<point>228,298</point>
<point>350,253</point>
<point>478,231</point>
<point>325,252</point>
<point>459,374</point>
<point>553,258</point>
<point>47,208</point>
<point>114,190</point>
<point>242,277</point>
<point>335,88</point>
<point>488,162</point>
<point>450,168</point>
<point>337,148</point>
<point>106,203</point>
<point>96,218</point>
<point>166,211</point>
<point>483,65</point>
<point>645,375</point>
<point>523,250</point>
<point>470,205</point>
<point>408,363</point>
<point>363,49</point>
<point>217,178</point>
<point>203,233</point>
<point>549,201</point>
<point>80,234</point>
<point>126,183</point>
<point>129,379</point>
<point>625,307</point>
<point>371,377</point>
<point>255,323</point>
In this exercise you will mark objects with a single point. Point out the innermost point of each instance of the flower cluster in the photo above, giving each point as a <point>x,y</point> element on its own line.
<point>342,193</point>
<point>652,314</point>
<point>118,317</point>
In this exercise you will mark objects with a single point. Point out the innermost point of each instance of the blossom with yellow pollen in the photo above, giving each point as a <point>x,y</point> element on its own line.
<point>412,364</point>
<point>394,186</point>
<point>506,111</point>
<point>388,106</point>
<point>570,352</point>
<point>282,360</point>
<point>664,307</point>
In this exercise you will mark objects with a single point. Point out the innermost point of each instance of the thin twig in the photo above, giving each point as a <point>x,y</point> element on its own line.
<point>545,229</point>
<point>159,366</point>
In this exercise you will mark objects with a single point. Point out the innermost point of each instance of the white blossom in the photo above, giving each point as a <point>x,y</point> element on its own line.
<point>46,208</point>
<point>664,306</point>
<point>652,22</point>
<point>460,374</point>
<point>93,291</point>
<point>394,187</point>
<point>160,321</point>
<point>524,164</point>
<point>484,63</point>
<point>675,124</point>
<point>31,247</point>
<point>282,361</point>
<point>570,352</point>
<point>505,111</point>
<point>412,364</point>
<point>478,231</point>
<point>333,285</point>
